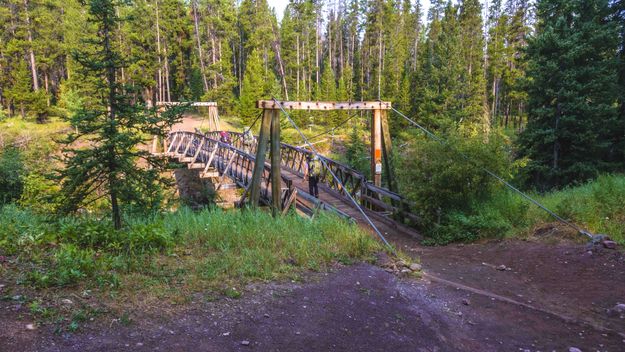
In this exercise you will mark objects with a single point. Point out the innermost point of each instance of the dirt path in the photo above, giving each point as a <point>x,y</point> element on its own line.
<point>558,296</point>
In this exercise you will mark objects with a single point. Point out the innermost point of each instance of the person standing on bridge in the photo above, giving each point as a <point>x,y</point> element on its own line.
<point>313,171</point>
<point>224,137</point>
<point>248,141</point>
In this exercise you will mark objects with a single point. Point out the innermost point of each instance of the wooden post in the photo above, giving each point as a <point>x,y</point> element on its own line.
<point>259,164</point>
<point>276,180</point>
<point>386,152</point>
<point>376,148</point>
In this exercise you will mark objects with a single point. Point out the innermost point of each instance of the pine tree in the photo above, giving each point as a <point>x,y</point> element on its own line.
<point>257,84</point>
<point>437,84</point>
<point>20,88</point>
<point>617,152</point>
<point>327,91</point>
<point>496,50</point>
<point>112,127</point>
<point>474,118</point>
<point>572,92</point>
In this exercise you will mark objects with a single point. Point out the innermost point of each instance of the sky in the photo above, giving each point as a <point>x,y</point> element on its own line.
<point>279,5</point>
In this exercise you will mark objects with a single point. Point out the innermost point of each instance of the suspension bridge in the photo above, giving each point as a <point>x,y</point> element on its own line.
<point>281,184</point>
<point>279,181</point>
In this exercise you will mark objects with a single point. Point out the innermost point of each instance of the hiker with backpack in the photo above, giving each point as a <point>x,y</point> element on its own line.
<point>248,141</point>
<point>313,171</point>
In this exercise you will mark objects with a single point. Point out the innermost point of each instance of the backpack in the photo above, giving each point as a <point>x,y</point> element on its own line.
<point>314,168</point>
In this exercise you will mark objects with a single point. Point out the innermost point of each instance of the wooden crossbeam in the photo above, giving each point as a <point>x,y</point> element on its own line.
<point>324,105</point>
<point>175,103</point>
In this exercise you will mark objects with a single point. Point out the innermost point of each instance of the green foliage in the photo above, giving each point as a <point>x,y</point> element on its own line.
<point>40,194</point>
<point>258,83</point>
<point>442,183</point>
<point>573,124</point>
<point>357,153</point>
<point>113,125</point>
<point>11,175</point>
<point>229,246</point>
<point>596,205</point>
<point>251,244</point>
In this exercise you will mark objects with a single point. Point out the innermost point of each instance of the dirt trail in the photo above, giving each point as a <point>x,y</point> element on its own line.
<point>364,308</point>
<point>357,308</point>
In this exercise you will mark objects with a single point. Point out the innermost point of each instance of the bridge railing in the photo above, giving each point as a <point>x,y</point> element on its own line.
<point>379,199</point>
<point>238,165</point>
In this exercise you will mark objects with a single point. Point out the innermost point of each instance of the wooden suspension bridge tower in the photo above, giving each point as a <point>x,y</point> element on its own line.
<point>213,113</point>
<point>270,132</point>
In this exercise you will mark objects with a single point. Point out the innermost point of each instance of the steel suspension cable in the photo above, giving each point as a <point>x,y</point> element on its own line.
<point>245,130</point>
<point>358,206</point>
<point>497,177</point>
<point>334,128</point>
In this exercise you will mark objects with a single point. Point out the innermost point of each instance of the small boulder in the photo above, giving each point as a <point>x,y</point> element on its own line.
<point>466,302</point>
<point>415,267</point>
<point>574,349</point>
<point>30,327</point>
<point>245,343</point>
<point>609,244</point>
<point>66,301</point>
<point>617,310</point>
<point>502,268</point>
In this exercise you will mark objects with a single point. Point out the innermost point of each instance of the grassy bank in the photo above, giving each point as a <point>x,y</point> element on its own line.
<point>598,206</point>
<point>164,258</point>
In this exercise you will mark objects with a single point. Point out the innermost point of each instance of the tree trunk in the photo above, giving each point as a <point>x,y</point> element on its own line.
<point>31,52</point>
<point>112,162</point>
<point>298,68</point>
<point>160,61</point>
<point>199,44</point>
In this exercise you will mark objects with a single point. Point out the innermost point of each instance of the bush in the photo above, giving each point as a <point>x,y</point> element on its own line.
<point>40,194</point>
<point>11,175</point>
<point>596,206</point>
<point>443,184</point>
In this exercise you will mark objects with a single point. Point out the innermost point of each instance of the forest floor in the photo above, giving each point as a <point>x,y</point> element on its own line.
<point>549,297</point>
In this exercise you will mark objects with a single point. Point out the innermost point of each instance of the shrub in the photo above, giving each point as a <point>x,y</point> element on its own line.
<point>40,194</point>
<point>11,175</point>
<point>444,184</point>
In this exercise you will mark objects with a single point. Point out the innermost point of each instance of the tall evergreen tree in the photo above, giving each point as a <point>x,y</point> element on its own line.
<point>572,92</point>
<point>257,84</point>
<point>474,118</point>
<point>112,127</point>
<point>618,153</point>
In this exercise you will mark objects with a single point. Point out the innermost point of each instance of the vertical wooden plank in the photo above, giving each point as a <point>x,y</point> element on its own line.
<point>376,148</point>
<point>276,179</point>
<point>387,152</point>
<point>259,164</point>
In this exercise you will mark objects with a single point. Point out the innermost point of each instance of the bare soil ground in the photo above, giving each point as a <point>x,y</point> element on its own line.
<point>550,297</point>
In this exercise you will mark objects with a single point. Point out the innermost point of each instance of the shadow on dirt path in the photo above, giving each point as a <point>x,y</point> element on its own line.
<point>353,308</point>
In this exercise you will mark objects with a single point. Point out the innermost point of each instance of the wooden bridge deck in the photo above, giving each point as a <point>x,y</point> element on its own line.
<point>235,161</point>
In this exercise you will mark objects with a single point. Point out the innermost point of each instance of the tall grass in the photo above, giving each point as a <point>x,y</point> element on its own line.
<point>220,245</point>
<point>598,206</point>
<point>253,244</point>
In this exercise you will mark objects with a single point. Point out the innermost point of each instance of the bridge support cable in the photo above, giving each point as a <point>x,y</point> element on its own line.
<point>336,179</point>
<point>340,124</point>
<point>497,177</point>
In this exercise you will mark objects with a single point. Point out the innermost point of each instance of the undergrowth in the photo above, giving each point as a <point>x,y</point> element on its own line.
<point>163,258</point>
<point>597,206</point>
<point>233,246</point>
